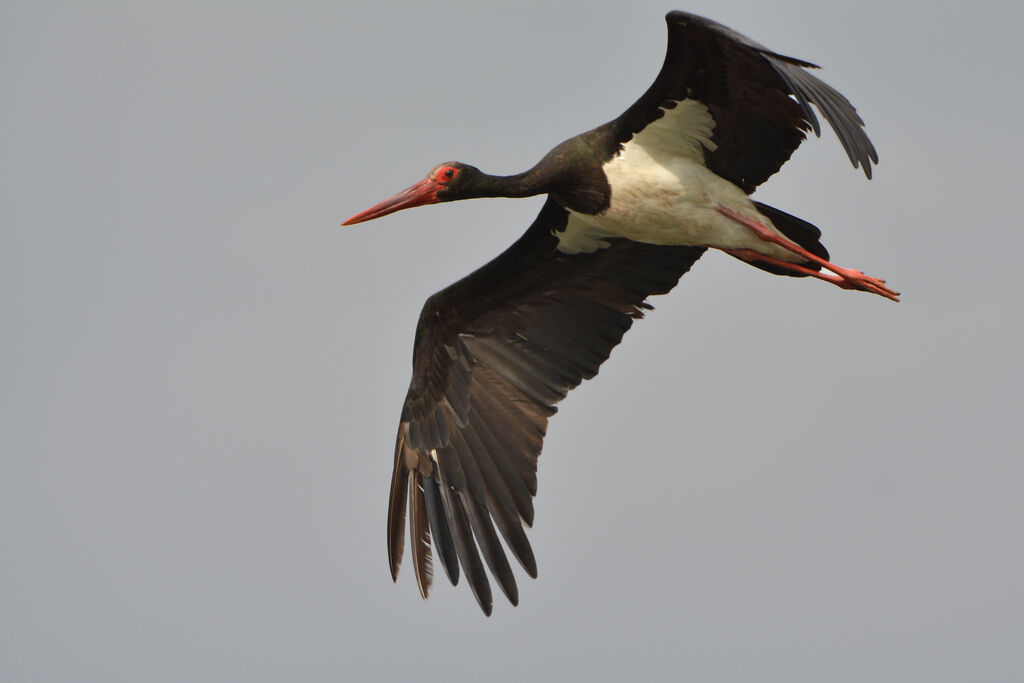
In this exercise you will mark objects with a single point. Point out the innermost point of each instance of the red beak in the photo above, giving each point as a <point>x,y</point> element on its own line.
<point>423,192</point>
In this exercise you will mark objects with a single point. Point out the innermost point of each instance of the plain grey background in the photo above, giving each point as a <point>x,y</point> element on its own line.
<point>771,480</point>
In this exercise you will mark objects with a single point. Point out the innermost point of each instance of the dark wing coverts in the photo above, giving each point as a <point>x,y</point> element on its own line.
<point>760,101</point>
<point>487,371</point>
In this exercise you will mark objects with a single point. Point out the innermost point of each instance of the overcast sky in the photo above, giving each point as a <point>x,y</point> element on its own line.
<point>201,373</point>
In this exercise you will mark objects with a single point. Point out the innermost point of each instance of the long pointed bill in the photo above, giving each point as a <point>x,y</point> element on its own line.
<point>423,192</point>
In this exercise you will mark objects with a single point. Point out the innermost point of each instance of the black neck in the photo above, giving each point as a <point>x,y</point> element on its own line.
<point>526,184</point>
<point>571,173</point>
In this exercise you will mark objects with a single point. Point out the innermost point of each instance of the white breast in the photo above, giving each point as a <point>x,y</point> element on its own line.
<point>662,193</point>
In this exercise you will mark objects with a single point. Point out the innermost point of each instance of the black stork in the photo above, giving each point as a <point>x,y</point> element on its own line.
<point>631,205</point>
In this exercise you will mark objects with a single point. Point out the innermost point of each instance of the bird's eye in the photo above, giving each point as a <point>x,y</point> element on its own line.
<point>446,173</point>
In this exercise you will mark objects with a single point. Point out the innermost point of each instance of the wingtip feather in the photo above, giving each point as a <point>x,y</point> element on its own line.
<point>396,508</point>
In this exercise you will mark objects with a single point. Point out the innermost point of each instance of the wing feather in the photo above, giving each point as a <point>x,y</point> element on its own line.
<point>760,101</point>
<point>453,501</point>
<point>440,530</point>
<point>500,502</point>
<point>419,532</point>
<point>494,353</point>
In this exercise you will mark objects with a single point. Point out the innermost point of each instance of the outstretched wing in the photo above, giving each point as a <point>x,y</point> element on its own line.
<point>493,354</point>
<point>759,103</point>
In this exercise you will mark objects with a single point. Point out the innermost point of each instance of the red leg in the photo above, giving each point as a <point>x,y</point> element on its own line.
<point>751,255</point>
<point>844,277</point>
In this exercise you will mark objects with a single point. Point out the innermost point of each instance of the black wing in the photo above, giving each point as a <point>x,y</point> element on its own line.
<point>493,354</point>
<point>760,101</point>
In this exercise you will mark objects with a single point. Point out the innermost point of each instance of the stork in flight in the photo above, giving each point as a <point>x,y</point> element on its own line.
<point>631,205</point>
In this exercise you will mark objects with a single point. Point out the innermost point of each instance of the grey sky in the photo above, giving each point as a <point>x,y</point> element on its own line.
<point>771,479</point>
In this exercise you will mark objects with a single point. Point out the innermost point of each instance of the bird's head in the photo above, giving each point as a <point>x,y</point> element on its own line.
<point>445,182</point>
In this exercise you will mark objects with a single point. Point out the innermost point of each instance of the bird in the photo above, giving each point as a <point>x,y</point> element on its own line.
<point>631,205</point>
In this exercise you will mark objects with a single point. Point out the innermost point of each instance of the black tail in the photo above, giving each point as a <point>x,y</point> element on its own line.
<point>796,229</point>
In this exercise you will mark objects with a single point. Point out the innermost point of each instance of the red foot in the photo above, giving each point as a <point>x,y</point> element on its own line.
<point>854,279</point>
<point>846,278</point>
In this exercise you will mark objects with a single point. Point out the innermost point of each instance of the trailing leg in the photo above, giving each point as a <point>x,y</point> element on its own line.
<point>845,278</point>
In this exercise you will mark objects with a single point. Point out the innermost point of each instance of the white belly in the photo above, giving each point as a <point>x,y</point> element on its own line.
<point>662,193</point>
<point>670,204</point>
